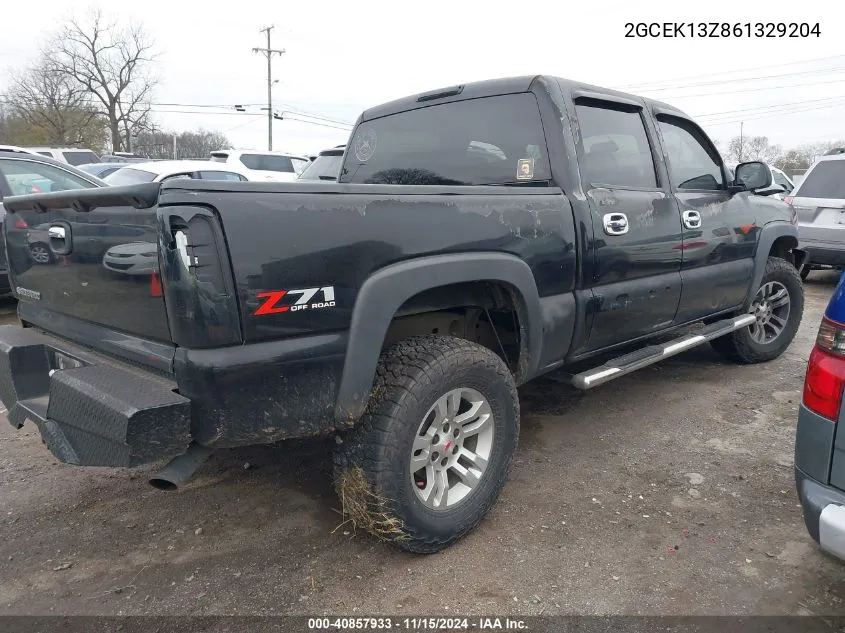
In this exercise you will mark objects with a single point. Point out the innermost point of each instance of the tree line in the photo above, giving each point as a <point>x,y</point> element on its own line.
<point>741,149</point>
<point>91,85</point>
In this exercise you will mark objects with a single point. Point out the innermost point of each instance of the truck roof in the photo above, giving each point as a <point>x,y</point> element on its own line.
<point>493,87</point>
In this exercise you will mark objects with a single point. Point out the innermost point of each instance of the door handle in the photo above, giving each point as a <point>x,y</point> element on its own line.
<point>60,240</point>
<point>692,219</point>
<point>615,223</point>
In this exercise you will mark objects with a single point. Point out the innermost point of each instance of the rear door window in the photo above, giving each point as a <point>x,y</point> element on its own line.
<point>615,146</point>
<point>487,141</point>
<point>825,180</point>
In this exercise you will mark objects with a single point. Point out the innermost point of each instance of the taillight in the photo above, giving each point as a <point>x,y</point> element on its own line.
<point>825,379</point>
<point>20,223</point>
<point>788,199</point>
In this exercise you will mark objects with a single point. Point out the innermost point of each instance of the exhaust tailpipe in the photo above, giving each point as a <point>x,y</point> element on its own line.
<point>180,468</point>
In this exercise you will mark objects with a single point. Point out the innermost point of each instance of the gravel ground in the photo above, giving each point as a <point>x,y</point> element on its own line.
<point>669,491</point>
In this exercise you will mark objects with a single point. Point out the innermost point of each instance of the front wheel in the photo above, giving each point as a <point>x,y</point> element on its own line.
<point>778,307</point>
<point>434,447</point>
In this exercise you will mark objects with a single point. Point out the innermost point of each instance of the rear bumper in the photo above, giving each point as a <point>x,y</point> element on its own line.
<point>824,256</point>
<point>822,245</point>
<point>99,413</point>
<point>824,513</point>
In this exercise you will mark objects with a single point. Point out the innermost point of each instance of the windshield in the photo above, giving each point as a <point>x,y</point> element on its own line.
<point>825,180</point>
<point>324,167</point>
<point>129,176</point>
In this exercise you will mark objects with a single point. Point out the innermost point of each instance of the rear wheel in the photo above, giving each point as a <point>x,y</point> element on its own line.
<point>778,306</point>
<point>433,450</point>
<point>40,253</point>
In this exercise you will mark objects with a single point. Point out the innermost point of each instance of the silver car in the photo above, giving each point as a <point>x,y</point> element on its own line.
<point>819,202</point>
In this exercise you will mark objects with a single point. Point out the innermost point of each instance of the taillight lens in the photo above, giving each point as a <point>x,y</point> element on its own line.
<point>20,223</point>
<point>788,199</point>
<point>825,379</point>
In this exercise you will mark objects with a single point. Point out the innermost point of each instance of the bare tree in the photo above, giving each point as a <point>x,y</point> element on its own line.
<point>54,107</point>
<point>197,144</point>
<point>742,149</point>
<point>113,64</point>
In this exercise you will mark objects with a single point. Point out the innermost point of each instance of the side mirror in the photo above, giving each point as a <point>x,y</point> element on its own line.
<point>753,176</point>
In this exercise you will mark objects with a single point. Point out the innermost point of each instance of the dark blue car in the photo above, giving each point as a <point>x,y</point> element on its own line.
<point>819,446</point>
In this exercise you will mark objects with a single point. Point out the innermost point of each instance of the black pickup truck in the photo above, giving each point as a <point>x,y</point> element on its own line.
<point>478,236</point>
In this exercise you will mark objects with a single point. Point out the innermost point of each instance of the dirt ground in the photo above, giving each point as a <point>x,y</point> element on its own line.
<point>669,491</point>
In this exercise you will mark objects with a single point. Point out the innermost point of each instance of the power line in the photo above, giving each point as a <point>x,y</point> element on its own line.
<point>719,82</point>
<point>778,105</point>
<point>730,92</point>
<point>285,115</point>
<point>731,72</point>
<point>773,114</point>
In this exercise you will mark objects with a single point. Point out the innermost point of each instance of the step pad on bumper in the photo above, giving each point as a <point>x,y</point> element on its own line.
<point>100,413</point>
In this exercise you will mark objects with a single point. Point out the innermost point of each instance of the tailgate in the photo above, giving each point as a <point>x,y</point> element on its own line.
<point>91,254</point>
<point>820,213</point>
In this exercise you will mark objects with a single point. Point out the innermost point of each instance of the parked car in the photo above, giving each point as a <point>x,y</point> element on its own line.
<point>819,202</point>
<point>123,157</point>
<point>22,172</point>
<point>71,155</point>
<point>132,258</point>
<point>276,166</point>
<point>160,171</point>
<point>779,178</point>
<point>326,166</point>
<point>819,456</point>
<point>15,149</point>
<point>101,170</point>
<point>479,236</point>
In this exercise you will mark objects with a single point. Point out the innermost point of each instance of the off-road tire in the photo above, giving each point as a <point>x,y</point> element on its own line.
<point>411,376</point>
<point>740,347</point>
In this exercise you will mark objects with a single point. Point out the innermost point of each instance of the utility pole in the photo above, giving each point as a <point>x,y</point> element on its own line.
<point>740,141</point>
<point>174,146</point>
<point>268,53</point>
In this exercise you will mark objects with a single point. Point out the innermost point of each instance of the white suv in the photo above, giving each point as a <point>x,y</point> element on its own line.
<point>819,202</point>
<point>278,166</point>
<point>70,155</point>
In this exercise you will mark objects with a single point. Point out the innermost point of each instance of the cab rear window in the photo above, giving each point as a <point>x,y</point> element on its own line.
<point>488,141</point>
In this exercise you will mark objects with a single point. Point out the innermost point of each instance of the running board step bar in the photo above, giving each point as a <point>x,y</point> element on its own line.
<point>655,353</point>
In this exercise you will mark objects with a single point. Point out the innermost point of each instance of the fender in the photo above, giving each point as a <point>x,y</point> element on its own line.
<point>768,234</point>
<point>385,291</point>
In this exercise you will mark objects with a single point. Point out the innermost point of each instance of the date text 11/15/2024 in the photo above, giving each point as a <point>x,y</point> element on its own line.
<point>417,624</point>
<point>722,29</point>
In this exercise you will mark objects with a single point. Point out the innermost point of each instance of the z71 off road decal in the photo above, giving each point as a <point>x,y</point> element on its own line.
<point>278,301</point>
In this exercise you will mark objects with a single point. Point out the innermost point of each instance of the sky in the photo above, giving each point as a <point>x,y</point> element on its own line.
<point>342,57</point>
